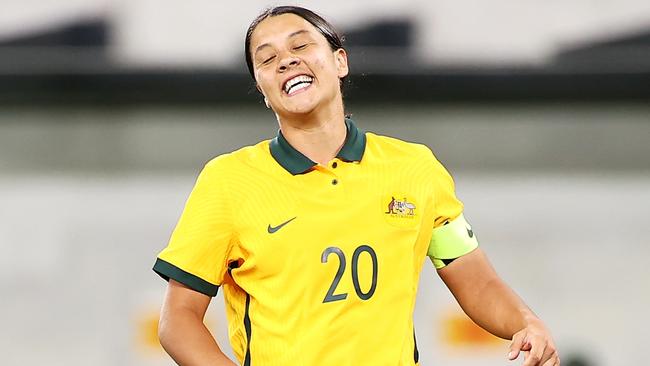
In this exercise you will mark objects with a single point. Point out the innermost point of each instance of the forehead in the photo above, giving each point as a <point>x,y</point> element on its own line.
<point>278,28</point>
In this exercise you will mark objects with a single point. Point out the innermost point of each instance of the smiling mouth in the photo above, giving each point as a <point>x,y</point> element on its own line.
<point>297,83</point>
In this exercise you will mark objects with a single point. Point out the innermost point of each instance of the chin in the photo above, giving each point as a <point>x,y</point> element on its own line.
<point>301,108</point>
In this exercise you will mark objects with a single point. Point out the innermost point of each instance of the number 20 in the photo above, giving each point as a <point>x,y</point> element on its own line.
<point>330,296</point>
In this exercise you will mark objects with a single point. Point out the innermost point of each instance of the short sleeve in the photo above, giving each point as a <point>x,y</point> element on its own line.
<point>452,236</point>
<point>197,251</point>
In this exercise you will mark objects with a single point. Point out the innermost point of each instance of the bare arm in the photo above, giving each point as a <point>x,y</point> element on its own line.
<point>489,302</point>
<point>182,332</point>
<point>484,297</point>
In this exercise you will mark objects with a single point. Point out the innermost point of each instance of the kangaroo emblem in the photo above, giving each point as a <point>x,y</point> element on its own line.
<point>391,206</point>
<point>401,208</point>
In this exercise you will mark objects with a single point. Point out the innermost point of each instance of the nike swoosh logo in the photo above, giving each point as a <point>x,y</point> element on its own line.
<point>272,229</point>
<point>470,232</point>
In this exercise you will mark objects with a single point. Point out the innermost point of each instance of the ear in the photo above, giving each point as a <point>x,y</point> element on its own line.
<point>257,86</point>
<point>341,60</point>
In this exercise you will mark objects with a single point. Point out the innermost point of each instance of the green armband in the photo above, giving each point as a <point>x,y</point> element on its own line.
<point>451,241</point>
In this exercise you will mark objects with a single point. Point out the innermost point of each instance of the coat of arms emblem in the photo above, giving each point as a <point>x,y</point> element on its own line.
<point>402,207</point>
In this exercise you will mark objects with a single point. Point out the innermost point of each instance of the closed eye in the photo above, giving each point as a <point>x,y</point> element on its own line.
<point>268,60</point>
<point>300,47</point>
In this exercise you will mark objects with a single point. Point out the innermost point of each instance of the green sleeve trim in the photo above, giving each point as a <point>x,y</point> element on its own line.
<point>451,241</point>
<point>167,270</point>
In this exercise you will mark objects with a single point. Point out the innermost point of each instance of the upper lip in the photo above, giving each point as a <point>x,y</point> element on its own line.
<point>284,82</point>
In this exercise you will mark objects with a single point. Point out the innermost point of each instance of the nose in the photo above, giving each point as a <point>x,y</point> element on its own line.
<point>288,61</point>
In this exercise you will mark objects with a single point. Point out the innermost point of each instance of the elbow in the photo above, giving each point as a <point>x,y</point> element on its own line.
<point>164,331</point>
<point>173,326</point>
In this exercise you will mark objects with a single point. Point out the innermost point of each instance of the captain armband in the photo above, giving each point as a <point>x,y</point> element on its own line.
<point>451,241</point>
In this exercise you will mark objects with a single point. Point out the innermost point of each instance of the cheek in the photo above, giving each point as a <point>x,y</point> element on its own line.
<point>326,67</point>
<point>265,83</point>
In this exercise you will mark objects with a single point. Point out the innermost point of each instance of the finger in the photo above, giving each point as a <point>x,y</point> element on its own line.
<point>516,345</point>
<point>553,361</point>
<point>536,352</point>
<point>550,353</point>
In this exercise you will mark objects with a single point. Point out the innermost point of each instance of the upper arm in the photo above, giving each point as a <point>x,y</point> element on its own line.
<point>180,297</point>
<point>452,236</point>
<point>451,241</point>
<point>467,276</point>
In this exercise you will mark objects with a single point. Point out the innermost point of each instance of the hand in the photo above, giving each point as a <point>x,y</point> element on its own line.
<point>536,343</point>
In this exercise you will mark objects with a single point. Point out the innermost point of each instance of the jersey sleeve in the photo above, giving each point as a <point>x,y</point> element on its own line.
<point>196,255</point>
<point>452,236</point>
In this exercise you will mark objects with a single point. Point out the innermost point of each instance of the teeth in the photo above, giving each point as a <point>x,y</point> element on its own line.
<point>299,86</point>
<point>297,83</point>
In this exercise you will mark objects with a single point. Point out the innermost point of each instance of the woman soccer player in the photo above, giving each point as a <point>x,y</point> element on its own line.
<point>317,237</point>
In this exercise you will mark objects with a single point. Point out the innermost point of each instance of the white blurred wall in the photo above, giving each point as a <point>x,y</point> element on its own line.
<point>210,33</point>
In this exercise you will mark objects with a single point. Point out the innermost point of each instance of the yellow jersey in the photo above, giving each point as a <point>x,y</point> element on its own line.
<point>318,264</point>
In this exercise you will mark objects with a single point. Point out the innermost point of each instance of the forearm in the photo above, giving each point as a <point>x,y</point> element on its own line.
<point>497,309</point>
<point>484,297</point>
<point>187,340</point>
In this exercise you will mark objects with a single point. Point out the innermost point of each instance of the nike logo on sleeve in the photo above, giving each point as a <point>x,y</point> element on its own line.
<point>470,232</point>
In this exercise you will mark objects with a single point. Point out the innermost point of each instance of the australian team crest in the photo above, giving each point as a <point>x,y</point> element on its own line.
<point>400,210</point>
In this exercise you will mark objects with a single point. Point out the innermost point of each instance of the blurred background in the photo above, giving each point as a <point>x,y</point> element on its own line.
<point>110,108</point>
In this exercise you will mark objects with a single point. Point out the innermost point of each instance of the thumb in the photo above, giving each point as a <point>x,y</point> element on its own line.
<point>516,346</point>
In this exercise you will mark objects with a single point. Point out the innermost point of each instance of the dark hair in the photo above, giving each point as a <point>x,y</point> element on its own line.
<point>323,26</point>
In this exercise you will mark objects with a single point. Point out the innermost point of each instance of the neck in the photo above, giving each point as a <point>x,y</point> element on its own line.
<point>319,135</point>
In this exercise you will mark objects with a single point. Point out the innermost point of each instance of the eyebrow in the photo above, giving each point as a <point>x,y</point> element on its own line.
<point>296,33</point>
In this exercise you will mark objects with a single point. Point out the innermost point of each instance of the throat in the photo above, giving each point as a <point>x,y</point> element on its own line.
<point>320,143</point>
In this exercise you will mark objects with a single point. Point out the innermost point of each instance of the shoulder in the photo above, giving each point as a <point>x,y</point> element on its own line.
<point>407,155</point>
<point>243,158</point>
<point>390,148</point>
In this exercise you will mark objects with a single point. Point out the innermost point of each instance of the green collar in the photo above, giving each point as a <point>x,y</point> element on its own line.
<point>296,163</point>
